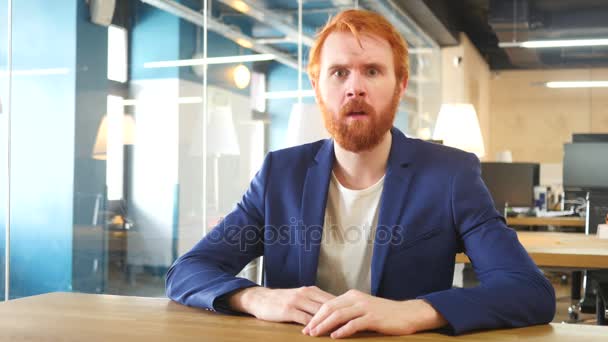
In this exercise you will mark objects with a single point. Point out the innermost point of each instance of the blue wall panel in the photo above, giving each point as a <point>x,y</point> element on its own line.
<point>155,37</point>
<point>3,133</point>
<point>42,174</point>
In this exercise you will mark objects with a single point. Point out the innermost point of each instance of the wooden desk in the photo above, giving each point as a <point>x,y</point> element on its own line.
<point>86,317</point>
<point>571,250</point>
<point>546,221</point>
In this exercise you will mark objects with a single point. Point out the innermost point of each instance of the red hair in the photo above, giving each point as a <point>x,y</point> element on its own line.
<point>361,22</point>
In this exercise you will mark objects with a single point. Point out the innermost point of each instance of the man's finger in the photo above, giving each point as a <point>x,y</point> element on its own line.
<point>350,328</point>
<point>299,316</point>
<point>336,319</point>
<point>319,295</point>
<point>308,306</point>
<point>326,310</point>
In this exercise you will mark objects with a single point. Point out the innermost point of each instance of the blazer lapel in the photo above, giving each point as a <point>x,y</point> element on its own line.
<point>396,182</point>
<point>314,201</point>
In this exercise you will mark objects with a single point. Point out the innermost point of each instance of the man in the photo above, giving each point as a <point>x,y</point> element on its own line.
<point>360,232</point>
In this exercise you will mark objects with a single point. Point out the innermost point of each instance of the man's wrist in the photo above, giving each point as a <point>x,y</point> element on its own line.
<point>430,318</point>
<point>241,300</point>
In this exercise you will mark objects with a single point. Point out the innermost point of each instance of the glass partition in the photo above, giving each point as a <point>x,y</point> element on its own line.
<point>134,133</point>
<point>4,108</point>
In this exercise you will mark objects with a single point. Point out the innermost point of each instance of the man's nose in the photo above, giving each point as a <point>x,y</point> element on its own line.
<point>356,86</point>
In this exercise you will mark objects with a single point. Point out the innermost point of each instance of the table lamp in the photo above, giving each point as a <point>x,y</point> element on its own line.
<point>457,126</point>
<point>305,125</point>
<point>222,141</point>
<point>100,149</point>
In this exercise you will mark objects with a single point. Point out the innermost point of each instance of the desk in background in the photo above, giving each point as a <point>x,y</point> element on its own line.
<point>546,221</point>
<point>87,317</point>
<point>568,250</point>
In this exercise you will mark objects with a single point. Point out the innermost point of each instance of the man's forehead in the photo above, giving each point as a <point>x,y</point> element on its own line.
<point>342,47</point>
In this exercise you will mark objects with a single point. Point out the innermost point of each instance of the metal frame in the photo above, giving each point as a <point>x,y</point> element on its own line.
<point>217,26</point>
<point>7,237</point>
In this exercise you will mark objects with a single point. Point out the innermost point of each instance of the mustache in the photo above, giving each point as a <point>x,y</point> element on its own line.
<point>356,105</point>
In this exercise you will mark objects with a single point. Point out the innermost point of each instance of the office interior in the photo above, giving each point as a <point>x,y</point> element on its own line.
<point>129,128</point>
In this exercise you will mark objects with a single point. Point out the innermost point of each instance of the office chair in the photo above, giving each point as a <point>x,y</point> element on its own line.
<point>595,282</point>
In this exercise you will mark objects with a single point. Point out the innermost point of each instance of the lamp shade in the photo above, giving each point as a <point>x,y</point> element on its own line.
<point>457,126</point>
<point>221,132</point>
<point>100,150</point>
<point>305,125</point>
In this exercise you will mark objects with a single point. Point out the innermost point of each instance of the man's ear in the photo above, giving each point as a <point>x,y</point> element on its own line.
<point>313,84</point>
<point>403,85</point>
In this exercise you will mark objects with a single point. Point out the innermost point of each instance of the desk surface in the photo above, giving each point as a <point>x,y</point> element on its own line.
<point>86,317</point>
<point>553,249</point>
<point>547,221</point>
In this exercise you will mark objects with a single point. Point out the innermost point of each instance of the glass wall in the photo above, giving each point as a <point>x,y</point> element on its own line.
<point>4,97</point>
<point>134,133</point>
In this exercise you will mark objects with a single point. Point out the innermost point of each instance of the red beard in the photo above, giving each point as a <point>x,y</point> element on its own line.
<point>359,134</point>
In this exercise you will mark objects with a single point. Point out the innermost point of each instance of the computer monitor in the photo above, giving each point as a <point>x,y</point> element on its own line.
<point>586,166</point>
<point>589,137</point>
<point>511,183</point>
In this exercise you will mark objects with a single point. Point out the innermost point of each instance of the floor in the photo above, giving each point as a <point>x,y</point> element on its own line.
<point>562,293</point>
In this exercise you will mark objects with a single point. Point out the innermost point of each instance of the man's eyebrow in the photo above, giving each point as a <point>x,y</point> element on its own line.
<point>335,66</point>
<point>376,66</point>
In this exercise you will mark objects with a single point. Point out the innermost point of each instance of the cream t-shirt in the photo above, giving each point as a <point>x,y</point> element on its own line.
<point>345,256</point>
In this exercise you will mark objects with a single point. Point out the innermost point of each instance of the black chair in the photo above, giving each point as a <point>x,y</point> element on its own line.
<point>595,282</point>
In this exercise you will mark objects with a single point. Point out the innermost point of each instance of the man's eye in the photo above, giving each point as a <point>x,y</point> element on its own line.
<point>340,73</point>
<point>372,72</point>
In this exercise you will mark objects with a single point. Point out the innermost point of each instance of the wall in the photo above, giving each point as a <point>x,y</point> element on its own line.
<point>468,82</point>
<point>517,113</point>
<point>42,147</point>
<point>534,121</point>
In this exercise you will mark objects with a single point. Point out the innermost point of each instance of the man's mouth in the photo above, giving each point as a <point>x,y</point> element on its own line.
<point>356,113</point>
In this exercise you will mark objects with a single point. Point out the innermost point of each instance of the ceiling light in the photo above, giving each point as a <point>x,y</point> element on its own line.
<point>539,44</point>
<point>36,72</point>
<point>211,60</point>
<point>178,100</point>
<point>244,43</point>
<point>240,6</point>
<point>577,84</point>
<point>272,95</point>
<point>241,76</point>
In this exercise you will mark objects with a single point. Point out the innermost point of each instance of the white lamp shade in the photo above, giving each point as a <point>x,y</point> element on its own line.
<point>305,125</point>
<point>221,132</point>
<point>100,150</point>
<point>457,126</point>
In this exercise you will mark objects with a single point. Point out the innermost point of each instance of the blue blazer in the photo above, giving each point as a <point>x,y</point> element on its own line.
<point>433,206</point>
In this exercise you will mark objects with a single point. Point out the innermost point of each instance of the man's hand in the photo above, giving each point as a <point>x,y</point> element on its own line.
<point>357,311</point>
<point>280,305</point>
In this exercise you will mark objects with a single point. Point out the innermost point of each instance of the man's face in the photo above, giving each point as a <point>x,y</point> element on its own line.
<point>357,91</point>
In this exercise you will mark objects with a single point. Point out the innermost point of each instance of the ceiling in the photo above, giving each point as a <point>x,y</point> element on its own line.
<point>272,26</point>
<point>488,22</point>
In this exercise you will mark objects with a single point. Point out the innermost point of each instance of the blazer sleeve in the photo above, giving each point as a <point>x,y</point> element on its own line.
<point>512,292</point>
<point>201,276</point>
